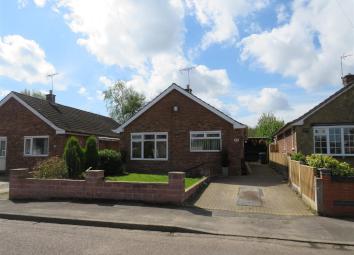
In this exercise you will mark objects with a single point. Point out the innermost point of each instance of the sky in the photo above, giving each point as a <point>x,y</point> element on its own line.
<point>249,57</point>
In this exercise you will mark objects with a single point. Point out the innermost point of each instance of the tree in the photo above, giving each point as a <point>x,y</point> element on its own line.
<point>74,157</point>
<point>267,125</point>
<point>122,102</point>
<point>33,93</point>
<point>91,153</point>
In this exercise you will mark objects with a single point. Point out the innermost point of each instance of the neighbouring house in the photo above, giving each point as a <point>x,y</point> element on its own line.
<point>33,129</point>
<point>177,131</point>
<point>328,128</point>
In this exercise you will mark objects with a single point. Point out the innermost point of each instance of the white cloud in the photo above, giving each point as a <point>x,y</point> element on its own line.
<point>220,18</point>
<point>126,33</point>
<point>82,91</point>
<point>23,60</point>
<point>99,95</point>
<point>107,82</point>
<point>3,93</point>
<point>40,3</point>
<point>268,100</point>
<point>282,14</point>
<point>309,46</point>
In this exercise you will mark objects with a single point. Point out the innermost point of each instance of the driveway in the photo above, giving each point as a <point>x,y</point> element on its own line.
<point>263,191</point>
<point>4,187</point>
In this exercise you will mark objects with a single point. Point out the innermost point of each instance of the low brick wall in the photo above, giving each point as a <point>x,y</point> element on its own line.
<point>337,195</point>
<point>95,187</point>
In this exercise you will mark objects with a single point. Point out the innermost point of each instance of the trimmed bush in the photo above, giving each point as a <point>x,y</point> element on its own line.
<point>74,157</point>
<point>53,168</point>
<point>328,162</point>
<point>91,153</point>
<point>298,156</point>
<point>111,162</point>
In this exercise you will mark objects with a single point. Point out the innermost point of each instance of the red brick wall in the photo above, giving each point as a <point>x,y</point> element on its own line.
<point>17,121</point>
<point>286,142</point>
<point>94,187</point>
<point>190,117</point>
<point>338,196</point>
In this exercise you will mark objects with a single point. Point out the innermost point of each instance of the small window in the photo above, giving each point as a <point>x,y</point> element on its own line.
<point>36,146</point>
<point>205,141</point>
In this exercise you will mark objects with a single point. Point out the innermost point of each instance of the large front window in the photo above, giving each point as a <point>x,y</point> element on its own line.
<point>205,141</point>
<point>334,140</point>
<point>149,146</point>
<point>36,146</point>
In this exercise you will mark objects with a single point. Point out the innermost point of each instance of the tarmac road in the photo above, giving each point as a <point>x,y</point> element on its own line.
<point>21,237</point>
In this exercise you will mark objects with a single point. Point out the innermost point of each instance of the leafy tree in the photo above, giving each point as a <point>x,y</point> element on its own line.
<point>267,125</point>
<point>74,157</point>
<point>122,102</point>
<point>91,153</point>
<point>33,93</point>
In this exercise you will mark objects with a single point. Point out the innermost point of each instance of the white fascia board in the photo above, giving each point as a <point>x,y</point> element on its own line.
<point>12,95</point>
<point>236,125</point>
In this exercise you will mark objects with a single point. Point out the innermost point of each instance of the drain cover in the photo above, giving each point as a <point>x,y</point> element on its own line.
<point>249,196</point>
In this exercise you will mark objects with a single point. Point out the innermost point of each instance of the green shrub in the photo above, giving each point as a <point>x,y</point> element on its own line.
<point>110,161</point>
<point>328,162</point>
<point>91,153</point>
<point>74,157</point>
<point>298,156</point>
<point>54,168</point>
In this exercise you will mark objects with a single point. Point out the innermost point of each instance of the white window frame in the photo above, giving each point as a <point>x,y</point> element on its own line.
<point>202,138</point>
<point>326,128</point>
<point>31,146</point>
<point>142,145</point>
<point>4,138</point>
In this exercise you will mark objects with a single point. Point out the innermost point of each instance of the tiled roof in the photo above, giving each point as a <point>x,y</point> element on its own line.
<point>72,119</point>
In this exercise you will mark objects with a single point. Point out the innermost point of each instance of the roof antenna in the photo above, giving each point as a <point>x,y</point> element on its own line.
<point>188,70</point>
<point>51,75</point>
<point>341,61</point>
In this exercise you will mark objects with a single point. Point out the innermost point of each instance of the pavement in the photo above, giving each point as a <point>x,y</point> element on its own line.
<point>262,191</point>
<point>308,229</point>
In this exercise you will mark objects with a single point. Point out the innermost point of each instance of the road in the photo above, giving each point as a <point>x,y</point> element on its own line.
<point>20,237</point>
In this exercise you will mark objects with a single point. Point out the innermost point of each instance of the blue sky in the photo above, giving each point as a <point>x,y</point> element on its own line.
<point>249,56</point>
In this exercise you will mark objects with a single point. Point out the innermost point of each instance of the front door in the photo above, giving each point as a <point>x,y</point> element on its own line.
<point>3,153</point>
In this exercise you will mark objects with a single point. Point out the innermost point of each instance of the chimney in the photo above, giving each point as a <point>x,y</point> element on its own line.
<point>348,79</point>
<point>188,89</point>
<point>50,97</point>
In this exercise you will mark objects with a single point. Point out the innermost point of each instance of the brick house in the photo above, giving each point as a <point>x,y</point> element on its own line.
<point>328,128</point>
<point>33,129</point>
<point>177,131</point>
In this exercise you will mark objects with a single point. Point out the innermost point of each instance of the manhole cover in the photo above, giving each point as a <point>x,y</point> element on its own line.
<point>249,196</point>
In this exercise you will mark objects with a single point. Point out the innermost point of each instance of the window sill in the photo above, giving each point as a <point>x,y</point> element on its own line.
<point>149,159</point>
<point>205,151</point>
<point>35,156</point>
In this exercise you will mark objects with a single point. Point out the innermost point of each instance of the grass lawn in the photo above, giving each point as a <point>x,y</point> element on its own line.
<point>134,177</point>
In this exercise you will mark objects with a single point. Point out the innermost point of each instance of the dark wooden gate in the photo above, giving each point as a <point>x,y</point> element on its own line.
<point>255,145</point>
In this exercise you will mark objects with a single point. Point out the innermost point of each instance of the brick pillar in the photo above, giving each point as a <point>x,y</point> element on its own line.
<point>94,176</point>
<point>16,178</point>
<point>176,180</point>
<point>325,177</point>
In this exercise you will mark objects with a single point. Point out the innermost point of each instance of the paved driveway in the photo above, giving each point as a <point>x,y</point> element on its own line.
<point>263,191</point>
<point>4,187</point>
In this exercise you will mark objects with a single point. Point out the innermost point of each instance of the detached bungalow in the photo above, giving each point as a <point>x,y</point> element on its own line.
<point>177,131</point>
<point>327,129</point>
<point>33,129</point>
